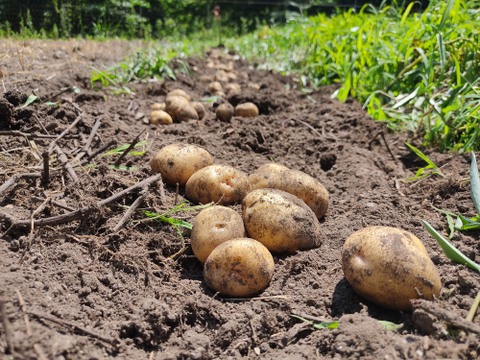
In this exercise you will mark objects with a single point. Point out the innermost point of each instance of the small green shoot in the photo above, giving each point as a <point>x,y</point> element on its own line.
<point>31,98</point>
<point>430,169</point>
<point>175,222</point>
<point>119,150</point>
<point>475,183</point>
<point>335,324</point>
<point>451,251</point>
<point>122,167</point>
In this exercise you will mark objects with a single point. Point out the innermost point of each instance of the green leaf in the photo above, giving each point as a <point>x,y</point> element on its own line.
<point>29,101</point>
<point>475,183</point>
<point>122,148</point>
<point>451,251</point>
<point>318,325</point>
<point>390,325</point>
<point>123,167</point>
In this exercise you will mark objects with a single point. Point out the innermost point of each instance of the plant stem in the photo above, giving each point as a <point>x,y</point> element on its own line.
<point>473,309</point>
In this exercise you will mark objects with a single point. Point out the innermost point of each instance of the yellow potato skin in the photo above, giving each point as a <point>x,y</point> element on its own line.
<point>180,108</point>
<point>213,226</point>
<point>389,267</point>
<point>239,267</point>
<point>221,184</point>
<point>295,182</point>
<point>280,221</point>
<point>247,109</point>
<point>178,162</point>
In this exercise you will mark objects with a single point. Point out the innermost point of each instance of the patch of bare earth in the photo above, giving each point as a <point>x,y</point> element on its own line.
<point>81,280</point>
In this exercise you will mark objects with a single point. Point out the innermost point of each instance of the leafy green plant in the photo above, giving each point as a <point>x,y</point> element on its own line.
<point>175,222</point>
<point>430,169</point>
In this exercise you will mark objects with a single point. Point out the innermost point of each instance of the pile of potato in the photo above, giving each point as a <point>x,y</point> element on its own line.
<point>178,107</point>
<point>281,209</point>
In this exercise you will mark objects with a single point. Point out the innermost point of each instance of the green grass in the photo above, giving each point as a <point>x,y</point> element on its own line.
<point>415,71</point>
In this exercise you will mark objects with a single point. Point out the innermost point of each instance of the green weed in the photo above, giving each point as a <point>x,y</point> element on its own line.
<point>174,221</point>
<point>430,169</point>
<point>335,324</point>
<point>120,149</point>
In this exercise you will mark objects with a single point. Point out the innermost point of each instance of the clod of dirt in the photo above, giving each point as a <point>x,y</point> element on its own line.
<point>15,97</point>
<point>6,113</point>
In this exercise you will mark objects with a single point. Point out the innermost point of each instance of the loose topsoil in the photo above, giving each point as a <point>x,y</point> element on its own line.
<point>86,286</point>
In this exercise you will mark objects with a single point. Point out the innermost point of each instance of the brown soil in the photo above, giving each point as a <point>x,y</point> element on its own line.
<point>81,289</point>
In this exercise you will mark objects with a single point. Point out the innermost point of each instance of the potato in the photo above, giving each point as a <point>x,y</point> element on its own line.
<point>221,184</point>
<point>212,226</point>
<point>389,267</point>
<point>177,162</point>
<point>199,108</point>
<point>295,182</point>
<point>180,108</point>
<point>239,267</point>
<point>224,112</point>
<point>179,92</point>
<point>215,88</point>
<point>280,221</point>
<point>232,89</point>
<point>157,106</point>
<point>247,109</point>
<point>160,117</point>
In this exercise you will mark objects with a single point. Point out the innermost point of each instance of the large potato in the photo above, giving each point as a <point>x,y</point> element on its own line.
<point>295,182</point>
<point>239,267</point>
<point>389,267</point>
<point>180,108</point>
<point>177,162</point>
<point>213,226</point>
<point>221,184</point>
<point>280,221</point>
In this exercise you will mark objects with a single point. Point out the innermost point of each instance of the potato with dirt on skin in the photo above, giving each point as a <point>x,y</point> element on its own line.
<point>296,182</point>
<point>240,267</point>
<point>177,162</point>
<point>199,108</point>
<point>221,184</point>
<point>389,266</point>
<point>180,109</point>
<point>213,226</point>
<point>247,109</point>
<point>160,117</point>
<point>280,221</point>
<point>224,112</point>
<point>179,92</point>
<point>215,88</point>
<point>157,106</point>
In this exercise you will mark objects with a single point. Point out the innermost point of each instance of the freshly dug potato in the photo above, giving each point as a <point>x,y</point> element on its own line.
<point>389,267</point>
<point>280,221</point>
<point>239,267</point>
<point>295,182</point>
<point>221,184</point>
<point>179,92</point>
<point>247,109</point>
<point>180,108</point>
<point>232,88</point>
<point>215,87</point>
<point>199,108</point>
<point>213,226</point>
<point>157,106</point>
<point>160,117</point>
<point>224,112</point>
<point>177,162</point>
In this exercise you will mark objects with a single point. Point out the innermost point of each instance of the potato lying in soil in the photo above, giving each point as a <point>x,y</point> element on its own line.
<point>389,267</point>
<point>295,182</point>
<point>199,108</point>
<point>177,162</point>
<point>224,112</point>
<point>157,106</point>
<point>160,117</point>
<point>239,268</point>
<point>179,92</point>
<point>180,108</point>
<point>280,221</point>
<point>213,226</point>
<point>247,109</point>
<point>221,184</point>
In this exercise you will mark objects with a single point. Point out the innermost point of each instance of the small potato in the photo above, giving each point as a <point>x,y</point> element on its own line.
<point>295,182</point>
<point>247,109</point>
<point>239,267</point>
<point>213,226</point>
<point>180,108</point>
<point>215,87</point>
<point>177,162</point>
<point>389,267</point>
<point>199,108</point>
<point>221,184</point>
<point>280,221</point>
<point>224,112</point>
<point>160,117</point>
<point>157,106</point>
<point>232,89</point>
<point>179,92</point>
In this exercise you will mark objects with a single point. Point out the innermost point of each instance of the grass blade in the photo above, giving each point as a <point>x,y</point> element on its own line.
<point>475,183</point>
<point>451,251</point>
